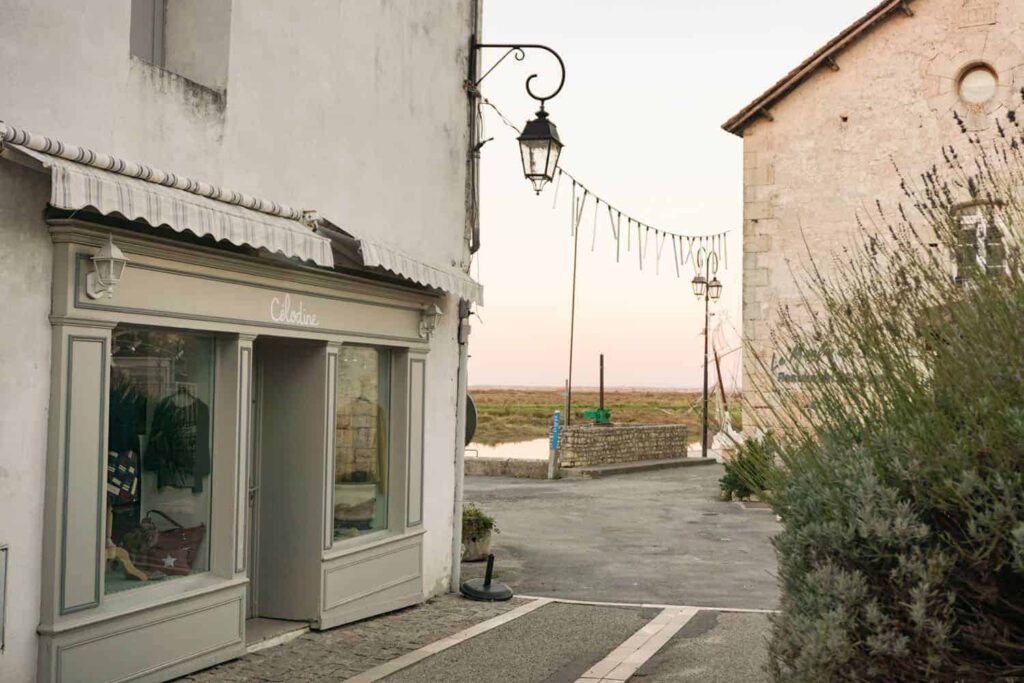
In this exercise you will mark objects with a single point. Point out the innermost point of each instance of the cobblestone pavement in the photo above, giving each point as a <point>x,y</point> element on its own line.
<point>348,650</point>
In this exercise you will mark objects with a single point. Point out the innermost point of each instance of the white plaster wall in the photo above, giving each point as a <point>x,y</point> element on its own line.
<point>829,153</point>
<point>25,267</point>
<point>354,108</point>
<point>439,455</point>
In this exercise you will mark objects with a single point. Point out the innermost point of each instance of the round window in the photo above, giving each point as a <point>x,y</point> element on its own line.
<point>978,84</point>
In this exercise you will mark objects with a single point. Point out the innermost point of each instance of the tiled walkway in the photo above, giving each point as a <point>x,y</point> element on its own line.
<point>341,653</point>
<point>452,640</point>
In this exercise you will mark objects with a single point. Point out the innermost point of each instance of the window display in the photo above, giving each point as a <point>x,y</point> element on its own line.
<point>159,456</point>
<point>362,450</point>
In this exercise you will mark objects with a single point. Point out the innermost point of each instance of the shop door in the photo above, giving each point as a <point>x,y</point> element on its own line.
<point>286,485</point>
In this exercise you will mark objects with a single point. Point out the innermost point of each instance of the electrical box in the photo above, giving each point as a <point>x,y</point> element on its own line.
<point>600,416</point>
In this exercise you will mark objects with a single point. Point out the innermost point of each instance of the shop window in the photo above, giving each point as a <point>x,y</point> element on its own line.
<point>362,449</point>
<point>980,243</point>
<point>188,37</point>
<point>159,459</point>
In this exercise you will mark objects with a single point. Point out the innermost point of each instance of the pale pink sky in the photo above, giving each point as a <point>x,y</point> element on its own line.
<point>649,83</point>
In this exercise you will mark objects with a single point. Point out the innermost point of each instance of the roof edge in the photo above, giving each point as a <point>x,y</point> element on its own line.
<point>791,81</point>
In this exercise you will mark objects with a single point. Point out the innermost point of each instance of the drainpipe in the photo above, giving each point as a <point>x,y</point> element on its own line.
<point>460,443</point>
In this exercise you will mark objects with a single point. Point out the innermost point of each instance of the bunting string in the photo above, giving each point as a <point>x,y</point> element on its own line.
<point>683,245</point>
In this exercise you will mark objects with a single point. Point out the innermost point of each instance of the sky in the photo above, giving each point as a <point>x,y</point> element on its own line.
<point>648,85</point>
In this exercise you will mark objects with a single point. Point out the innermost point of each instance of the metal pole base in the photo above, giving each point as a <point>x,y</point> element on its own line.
<point>484,590</point>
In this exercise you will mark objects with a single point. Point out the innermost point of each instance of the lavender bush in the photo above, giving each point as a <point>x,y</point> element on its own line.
<point>899,453</point>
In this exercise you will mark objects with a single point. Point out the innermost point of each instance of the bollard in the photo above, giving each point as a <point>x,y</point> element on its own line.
<point>556,429</point>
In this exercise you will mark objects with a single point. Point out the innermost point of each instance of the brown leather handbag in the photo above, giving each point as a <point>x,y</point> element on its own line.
<point>173,551</point>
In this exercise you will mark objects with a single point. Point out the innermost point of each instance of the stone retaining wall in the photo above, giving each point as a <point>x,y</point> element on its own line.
<point>582,445</point>
<point>496,467</point>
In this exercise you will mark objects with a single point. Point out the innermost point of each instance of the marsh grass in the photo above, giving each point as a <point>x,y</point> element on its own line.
<point>512,415</point>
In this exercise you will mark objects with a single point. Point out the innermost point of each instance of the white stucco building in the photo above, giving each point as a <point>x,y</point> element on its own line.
<point>260,417</point>
<point>823,145</point>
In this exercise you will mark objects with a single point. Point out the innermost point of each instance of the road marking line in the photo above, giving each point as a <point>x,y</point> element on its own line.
<point>626,659</point>
<point>407,660</point>
<point>653,605</point>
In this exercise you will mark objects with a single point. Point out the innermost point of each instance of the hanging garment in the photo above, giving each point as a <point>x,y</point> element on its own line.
<point>178,449</point>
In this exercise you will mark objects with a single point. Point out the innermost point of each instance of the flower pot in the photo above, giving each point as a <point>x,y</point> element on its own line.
<point>476,549</point>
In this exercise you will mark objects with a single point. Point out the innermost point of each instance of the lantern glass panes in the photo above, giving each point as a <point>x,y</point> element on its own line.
<point>700,283</point>
<point>110,263</point>
<point>540,147</point>
<point>715,289</point>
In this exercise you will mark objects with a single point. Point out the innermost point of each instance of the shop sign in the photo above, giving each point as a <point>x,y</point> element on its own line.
<point>282,310</point>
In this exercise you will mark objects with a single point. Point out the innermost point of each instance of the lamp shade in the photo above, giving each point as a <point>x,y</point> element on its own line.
<point>715,289</point>
<point>540,147</point>
<point>700,284</point>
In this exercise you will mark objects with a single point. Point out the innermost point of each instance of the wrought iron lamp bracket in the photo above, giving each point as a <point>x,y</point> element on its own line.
<point>707,258</point>
<point>518,52</point>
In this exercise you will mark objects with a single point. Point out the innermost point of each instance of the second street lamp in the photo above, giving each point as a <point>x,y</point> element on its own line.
<point>707,285</point>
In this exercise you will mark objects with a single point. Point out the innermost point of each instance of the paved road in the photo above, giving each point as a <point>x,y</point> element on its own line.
<point>555,644</point>
<point>656,537</point>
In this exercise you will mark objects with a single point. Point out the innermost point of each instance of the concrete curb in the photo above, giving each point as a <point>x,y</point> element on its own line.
<point>597,471</point>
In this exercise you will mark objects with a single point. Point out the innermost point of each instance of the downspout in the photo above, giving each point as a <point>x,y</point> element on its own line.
<point>460,443</point>
<point>465,309</point>
<point>475,144</point>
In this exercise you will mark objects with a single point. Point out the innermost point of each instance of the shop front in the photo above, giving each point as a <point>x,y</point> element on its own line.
<point>230,439</point>
<point>236,418</point>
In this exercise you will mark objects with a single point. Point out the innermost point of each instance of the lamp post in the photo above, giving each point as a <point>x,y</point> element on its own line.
<point>539,143</point>
<point>707,285</point>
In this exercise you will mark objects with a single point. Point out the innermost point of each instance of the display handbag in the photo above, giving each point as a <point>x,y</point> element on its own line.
<point>172,551</point>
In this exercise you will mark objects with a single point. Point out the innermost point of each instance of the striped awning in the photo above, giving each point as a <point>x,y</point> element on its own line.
<point>83,179</point>
<point>377,255</point>
<point>353,251</point>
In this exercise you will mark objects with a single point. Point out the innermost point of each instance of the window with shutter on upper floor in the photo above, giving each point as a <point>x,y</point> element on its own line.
<point>980,241</point>
<point>188,37</point>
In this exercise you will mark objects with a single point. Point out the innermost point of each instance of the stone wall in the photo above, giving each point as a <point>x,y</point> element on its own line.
<point>496,467</point>
<point>830,149</point>
<point>584,445</point>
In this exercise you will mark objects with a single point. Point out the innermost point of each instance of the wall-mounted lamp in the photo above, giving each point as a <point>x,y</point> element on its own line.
<point>539,143</point>
<point>540,147</point>
<point>428,320</point>
<point>108,268</point>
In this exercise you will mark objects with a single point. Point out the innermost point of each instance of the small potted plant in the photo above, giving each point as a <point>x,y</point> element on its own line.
<point>477,527</point>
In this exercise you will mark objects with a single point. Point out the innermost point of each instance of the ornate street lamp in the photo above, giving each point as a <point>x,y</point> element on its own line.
<point>706,285</point>
<point>539,143</point>
<point>540,147</point>
<point>700,284</point>
<point>715,289</point>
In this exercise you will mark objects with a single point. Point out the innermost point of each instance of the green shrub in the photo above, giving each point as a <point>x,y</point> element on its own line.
<point>901,444</point>
<point>476,523</point>
<point>747,473</point>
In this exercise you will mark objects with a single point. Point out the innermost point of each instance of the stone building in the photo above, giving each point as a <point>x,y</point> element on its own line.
<point>824,143</point>
<point>234,246</point>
